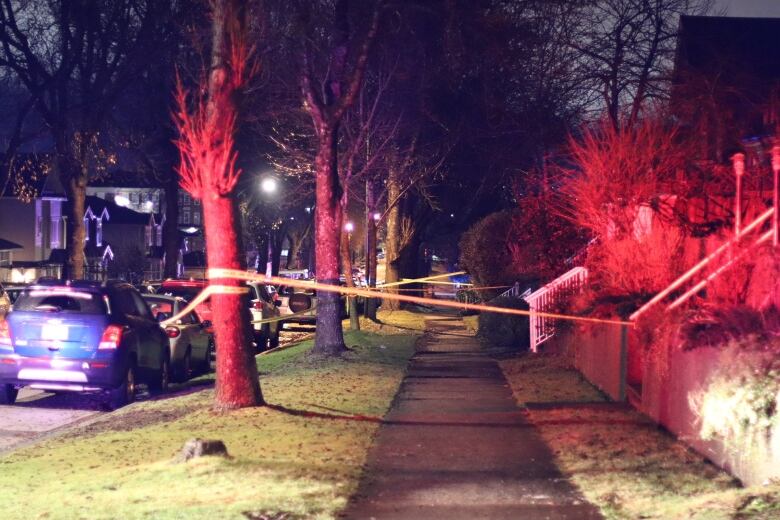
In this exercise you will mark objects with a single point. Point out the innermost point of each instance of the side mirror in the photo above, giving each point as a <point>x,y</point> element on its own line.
<point>206,324</point>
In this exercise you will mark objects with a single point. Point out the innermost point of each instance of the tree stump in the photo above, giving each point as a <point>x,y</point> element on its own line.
<point>195,448</point>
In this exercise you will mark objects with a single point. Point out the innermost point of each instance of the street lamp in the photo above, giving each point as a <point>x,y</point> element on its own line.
<point>377,216</point>
<point>349,227</point>
<point>269,185</point>
<point>738,161</point>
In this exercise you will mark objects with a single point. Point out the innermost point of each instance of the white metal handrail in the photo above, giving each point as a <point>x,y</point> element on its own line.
<point>543,299</point>
<point>702,264</point>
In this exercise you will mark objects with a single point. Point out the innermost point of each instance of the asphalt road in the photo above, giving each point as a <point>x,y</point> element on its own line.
<point>38,414</point>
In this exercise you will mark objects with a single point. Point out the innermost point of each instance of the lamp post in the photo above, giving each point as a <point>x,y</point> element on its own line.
<point>776,195</point>
<point>738,162</point>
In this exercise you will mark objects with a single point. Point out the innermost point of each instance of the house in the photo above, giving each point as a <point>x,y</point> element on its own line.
<point>121,242</point>
<point>32,217</point>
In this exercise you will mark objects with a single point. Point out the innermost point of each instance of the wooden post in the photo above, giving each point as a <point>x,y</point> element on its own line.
<point>623,363</point>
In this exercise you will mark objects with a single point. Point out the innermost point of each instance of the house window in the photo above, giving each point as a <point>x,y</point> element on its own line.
<point>38,223</point>
<point>148,230</point>
<point>159,235</point>
<point>55,233</point>
<point>185,214</point>
<point>86,230</point>
<point>196,217</point>
<point>99,233</point>
<point>5,258</point>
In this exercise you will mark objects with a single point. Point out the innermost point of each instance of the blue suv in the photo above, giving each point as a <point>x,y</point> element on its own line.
<point>82,336</point>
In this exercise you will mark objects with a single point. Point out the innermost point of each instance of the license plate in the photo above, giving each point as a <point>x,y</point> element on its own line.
<point>54,331</point>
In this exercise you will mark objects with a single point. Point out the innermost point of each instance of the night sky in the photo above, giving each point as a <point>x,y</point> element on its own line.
<point>749,7</point>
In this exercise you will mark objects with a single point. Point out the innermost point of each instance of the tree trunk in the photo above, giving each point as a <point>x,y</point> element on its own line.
<point>393,240</point>
<point>277,239</point>
<point>171,243</point>
<point>77,192</point>
<point>261,243</point>
<point>295,250</point>
<point>346,268</point>
<point>329,338</point>
<point>370,303</point>
<point>237,378</point>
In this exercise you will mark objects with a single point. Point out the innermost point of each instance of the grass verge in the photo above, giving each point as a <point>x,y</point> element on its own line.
<point>299,458</point>
<point>619,459</point>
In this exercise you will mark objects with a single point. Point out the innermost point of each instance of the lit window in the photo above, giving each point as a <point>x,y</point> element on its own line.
<point>86,230</point>
<point>99,233</point>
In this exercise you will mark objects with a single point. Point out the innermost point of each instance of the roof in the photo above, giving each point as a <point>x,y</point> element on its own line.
<point>116,214</point>
<point>125,179</point>
<point>729,47</point>
<point>6,245</point>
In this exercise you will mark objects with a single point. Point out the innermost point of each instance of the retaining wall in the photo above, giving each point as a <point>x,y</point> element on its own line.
<point>599,353</point>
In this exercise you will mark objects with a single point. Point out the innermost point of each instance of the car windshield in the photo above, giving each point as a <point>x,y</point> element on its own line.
<point>60,299</point>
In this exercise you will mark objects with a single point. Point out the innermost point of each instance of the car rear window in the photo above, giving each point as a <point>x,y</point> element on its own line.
<point>188,293</point>
<point>60,300</point>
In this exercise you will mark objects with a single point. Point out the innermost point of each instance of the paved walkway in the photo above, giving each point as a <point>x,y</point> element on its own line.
<point>455,445</point>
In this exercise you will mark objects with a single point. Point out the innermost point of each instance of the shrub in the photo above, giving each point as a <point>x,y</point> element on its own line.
<point>506,330</point>
<point>484,252</point>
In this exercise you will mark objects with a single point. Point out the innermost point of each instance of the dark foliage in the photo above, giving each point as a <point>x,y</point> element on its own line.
<point>506,330</point>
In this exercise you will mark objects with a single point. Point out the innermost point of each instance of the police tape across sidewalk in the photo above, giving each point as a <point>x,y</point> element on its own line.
<point>235,274</point>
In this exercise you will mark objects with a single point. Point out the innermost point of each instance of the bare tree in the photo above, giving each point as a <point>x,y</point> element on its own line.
<point>75,58</point>
<point>206,122</point>
<point>626,52</point>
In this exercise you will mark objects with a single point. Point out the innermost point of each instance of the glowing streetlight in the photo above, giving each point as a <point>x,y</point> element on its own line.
<point>349,227</point>
<point>377,216</point>
<point>269,185</point>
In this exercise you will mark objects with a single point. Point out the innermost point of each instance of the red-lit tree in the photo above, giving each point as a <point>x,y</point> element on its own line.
<point>327,107</point>
<point>206,122</point>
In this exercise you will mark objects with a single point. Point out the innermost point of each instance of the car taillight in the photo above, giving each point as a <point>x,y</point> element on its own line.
<point>258,305</point>
<point>111,338</point>
<point>5,334</point>
<point>172,332</point>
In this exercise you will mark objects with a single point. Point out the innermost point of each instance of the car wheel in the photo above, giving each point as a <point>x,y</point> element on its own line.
<point>261,338</point>
<point>209,355</point>
<point>8,394</point>
<point>162,379</point>
<point>125,392</point>
<point>184,373</point>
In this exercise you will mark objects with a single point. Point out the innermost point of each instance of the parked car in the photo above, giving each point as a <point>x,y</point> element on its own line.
<point>188,289</point>
<point>191,344</point>
<point>264,304</point>
<point>13,291</point>
<point>82,336</point>
<point>300,306</point>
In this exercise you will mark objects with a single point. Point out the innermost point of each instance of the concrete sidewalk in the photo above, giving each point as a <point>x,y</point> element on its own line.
<point>455,445</point>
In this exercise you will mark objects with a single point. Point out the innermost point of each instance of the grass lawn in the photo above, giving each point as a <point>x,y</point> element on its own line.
<point>299,458</point>
<point>620,460</point>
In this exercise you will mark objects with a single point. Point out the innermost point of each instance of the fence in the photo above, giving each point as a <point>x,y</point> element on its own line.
<point>547,298</point>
